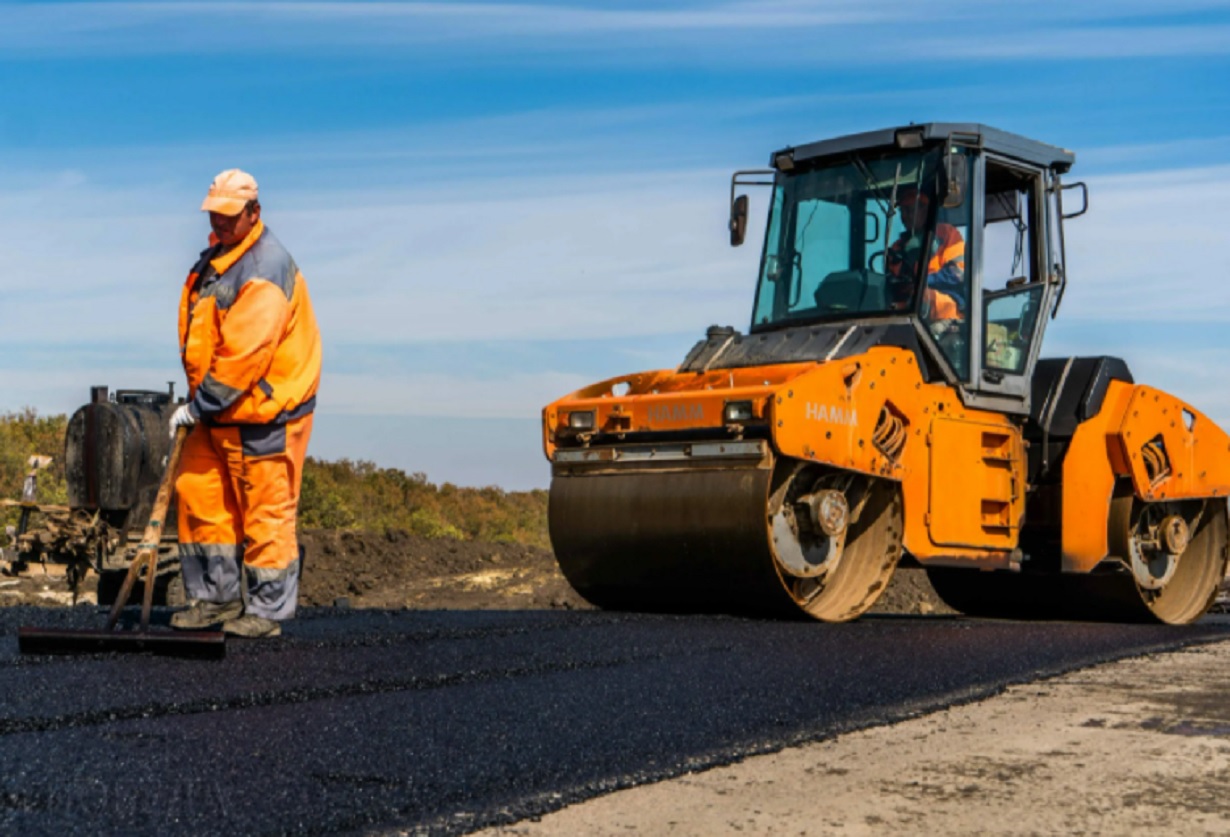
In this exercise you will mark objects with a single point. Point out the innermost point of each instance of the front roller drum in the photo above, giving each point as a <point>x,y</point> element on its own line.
<point>750,538</point>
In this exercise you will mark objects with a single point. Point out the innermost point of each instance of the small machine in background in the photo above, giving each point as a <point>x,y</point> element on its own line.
<point>115,452</point>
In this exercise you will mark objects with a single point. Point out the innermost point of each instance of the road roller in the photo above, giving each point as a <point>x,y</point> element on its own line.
<point>888,404</point>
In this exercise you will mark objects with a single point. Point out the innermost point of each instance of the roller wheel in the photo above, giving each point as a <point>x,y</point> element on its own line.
<point>847,530</point>
<point>1175,552</point>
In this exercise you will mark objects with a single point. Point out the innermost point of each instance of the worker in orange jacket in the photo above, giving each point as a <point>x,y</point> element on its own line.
<point>251,350</point>
<point>944,290</point>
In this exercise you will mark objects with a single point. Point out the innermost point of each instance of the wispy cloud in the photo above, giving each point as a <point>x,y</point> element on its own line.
<point>1187,360</point>
<point>1182,152</point>
<point>566,258</point>
<point>767,33</point>
<point>1147,249</point>
<point>514,394</point>
<point>1091,43</point>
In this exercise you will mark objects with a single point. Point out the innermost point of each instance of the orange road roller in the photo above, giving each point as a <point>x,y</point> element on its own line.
<point>888,404</point>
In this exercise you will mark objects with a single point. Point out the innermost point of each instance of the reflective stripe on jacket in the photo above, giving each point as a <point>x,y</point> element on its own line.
<point>247,334</point>
<point>949,249</point>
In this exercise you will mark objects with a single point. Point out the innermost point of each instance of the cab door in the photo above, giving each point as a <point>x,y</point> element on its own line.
<point>1014,283</point>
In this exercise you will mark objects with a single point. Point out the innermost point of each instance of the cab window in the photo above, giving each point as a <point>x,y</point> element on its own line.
<point>1012,282</point>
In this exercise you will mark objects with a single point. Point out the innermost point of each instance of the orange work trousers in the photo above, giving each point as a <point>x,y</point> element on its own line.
<point>238,489</point>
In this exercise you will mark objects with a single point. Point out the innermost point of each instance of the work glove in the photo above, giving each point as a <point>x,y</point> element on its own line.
<point>184,416</point>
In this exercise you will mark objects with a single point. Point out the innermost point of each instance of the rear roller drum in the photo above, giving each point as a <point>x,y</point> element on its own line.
<point>1169,559</point>
<point>1175,554</point>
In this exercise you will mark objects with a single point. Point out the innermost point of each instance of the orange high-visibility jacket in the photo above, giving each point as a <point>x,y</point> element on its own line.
<point>247,334</point>
<point>949,249</point>
<point>945,284</point>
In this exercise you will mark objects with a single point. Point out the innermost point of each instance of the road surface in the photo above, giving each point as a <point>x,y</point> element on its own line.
<point>448,721</point>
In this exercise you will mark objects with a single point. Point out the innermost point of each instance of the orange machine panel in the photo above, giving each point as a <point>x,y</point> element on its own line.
<point>667,400</point>
<point>977,493</point>
<point>1089,482</point>
<point>1169,450</point>
<point>832,413</point>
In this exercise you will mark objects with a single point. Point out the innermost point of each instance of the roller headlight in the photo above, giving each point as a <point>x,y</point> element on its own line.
<point>736,412</point>
<point>581,420</point>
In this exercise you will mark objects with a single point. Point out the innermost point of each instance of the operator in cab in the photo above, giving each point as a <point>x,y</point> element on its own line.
<point>944,295</point>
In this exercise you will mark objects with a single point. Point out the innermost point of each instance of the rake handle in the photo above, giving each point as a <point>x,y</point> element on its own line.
<point>147,552</point>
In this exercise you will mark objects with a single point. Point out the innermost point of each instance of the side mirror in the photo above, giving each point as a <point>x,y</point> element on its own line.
<point>1084,200</point>
<point>738,220</point>
<point>956,180</point>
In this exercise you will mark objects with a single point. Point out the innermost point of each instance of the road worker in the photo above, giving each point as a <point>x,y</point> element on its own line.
<point>251,351</point>
<point>945,294</point>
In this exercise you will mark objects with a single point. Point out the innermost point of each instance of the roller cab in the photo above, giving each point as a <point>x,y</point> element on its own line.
<point>888,402</point>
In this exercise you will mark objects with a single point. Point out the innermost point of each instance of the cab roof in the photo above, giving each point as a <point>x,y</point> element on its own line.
<point>967,133</point>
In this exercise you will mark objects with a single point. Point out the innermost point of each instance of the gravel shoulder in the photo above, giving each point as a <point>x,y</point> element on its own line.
<point>1136,746</point>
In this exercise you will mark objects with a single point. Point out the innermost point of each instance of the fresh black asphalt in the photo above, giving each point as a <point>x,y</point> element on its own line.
<point>445,721</point>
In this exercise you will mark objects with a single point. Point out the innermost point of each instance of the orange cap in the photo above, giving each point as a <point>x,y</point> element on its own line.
<point>230,192</point>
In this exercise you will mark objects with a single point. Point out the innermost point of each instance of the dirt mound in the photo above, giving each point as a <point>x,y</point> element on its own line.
<point>910,592</point>
<point>398,569</point>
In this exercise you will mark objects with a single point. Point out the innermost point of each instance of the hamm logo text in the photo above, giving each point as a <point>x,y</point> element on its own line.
<point>676,412</point>
<point>831,414</point>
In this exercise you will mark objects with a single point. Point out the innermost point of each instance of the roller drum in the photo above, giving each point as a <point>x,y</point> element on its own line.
<point>666,529</point>
<point>668,540</point>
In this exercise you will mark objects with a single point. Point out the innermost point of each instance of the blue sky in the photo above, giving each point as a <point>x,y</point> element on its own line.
<point>496,203</point>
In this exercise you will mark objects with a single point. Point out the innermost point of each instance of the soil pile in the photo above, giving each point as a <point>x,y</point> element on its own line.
<point>397,569</point>
<point>910,592</point>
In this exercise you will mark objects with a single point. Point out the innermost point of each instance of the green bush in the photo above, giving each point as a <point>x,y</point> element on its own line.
<point>360,495</point>
<point>23,434</point>
<point>323,504</point>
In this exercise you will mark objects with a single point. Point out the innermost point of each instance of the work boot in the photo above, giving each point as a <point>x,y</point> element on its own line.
<point>253,626</point>
<point>200,614</point>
